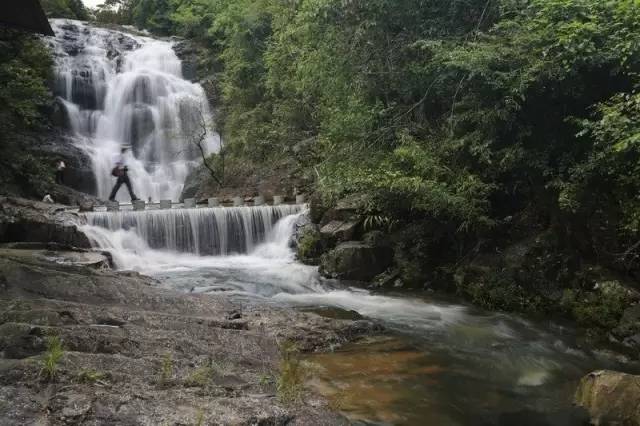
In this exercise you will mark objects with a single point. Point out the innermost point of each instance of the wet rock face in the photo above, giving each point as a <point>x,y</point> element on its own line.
<point>610,397</point>
<point>356,261</point>
<point>188,54</point>
<point>83,83</point>
<point>346,210</point>
<point>32,221</point>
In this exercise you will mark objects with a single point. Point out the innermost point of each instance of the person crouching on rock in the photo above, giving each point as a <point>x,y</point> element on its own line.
<point>120,170</point>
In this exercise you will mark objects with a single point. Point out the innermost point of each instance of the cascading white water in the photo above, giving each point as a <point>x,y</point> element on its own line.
<point>251,256</point>
<point>119,89</point>
<point>201,231</point>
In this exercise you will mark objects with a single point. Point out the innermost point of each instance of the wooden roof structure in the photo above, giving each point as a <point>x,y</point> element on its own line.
<point>26,15</point>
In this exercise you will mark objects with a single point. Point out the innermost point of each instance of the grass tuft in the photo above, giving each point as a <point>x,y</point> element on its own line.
<point>52,357</point>
<point>265,379</point>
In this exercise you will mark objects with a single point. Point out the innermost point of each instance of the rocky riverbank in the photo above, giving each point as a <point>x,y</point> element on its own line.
<point>132,353</point>
<point>83,344</point>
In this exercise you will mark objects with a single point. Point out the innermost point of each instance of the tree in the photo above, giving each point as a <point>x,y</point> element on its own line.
<point>196,137</point>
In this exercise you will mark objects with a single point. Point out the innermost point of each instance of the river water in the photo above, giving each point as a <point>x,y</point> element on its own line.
<point>439,362</point>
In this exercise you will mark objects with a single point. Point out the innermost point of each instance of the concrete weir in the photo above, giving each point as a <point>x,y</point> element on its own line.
<point>192,203</point>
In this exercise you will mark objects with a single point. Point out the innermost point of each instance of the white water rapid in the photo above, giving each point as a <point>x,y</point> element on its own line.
<point>124,90</point>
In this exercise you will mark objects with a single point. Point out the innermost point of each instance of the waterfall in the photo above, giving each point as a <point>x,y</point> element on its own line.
<point>200,231</point>
<point>120,89</point>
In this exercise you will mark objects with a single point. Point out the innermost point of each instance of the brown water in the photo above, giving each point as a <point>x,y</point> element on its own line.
<point>488,370</point>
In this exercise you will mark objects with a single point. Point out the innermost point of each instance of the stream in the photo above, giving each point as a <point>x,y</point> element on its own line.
<point>438,362</point>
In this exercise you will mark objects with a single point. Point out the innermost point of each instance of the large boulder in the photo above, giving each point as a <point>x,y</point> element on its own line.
<point>610,397</point>
<point>355,260</point>
<point>197,178</point>
<point>24,220</point>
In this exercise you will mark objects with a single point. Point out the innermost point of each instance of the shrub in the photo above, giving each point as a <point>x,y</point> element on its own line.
<point>599,309</point>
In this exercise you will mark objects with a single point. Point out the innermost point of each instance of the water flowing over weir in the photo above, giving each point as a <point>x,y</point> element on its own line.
<point>120,89</point>
<point>200,231</point>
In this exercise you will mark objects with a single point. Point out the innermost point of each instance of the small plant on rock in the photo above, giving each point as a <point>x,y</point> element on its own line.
<point>201,376</point>
<point>91,376</point>
<point>265,379</point>
<point>52,357</point>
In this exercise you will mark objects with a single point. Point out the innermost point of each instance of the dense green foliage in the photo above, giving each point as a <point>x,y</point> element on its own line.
<point>73,9</point>
<point>466,124</point>
<point>24,96</point>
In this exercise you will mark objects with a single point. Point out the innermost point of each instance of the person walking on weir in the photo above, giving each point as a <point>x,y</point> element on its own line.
<point>121,172</point>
